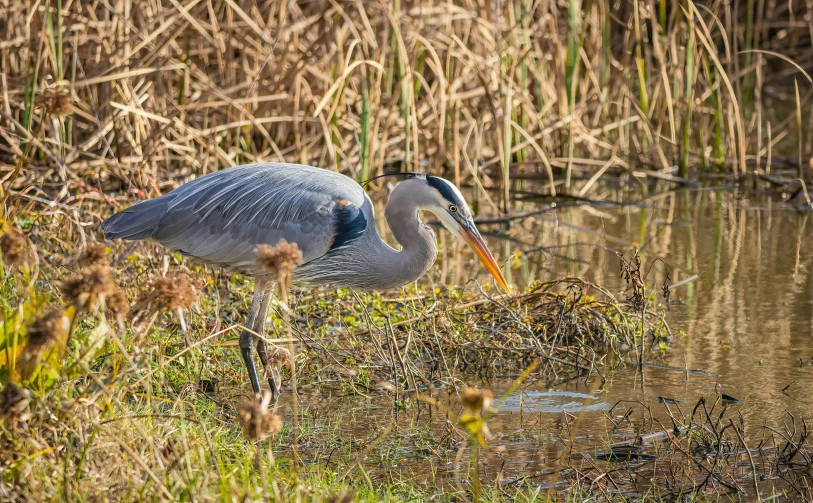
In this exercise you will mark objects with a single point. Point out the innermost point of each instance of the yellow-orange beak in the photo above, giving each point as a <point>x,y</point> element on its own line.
<point>475,241</point>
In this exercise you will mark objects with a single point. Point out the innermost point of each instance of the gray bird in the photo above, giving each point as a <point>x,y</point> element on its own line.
<point>222,217</point>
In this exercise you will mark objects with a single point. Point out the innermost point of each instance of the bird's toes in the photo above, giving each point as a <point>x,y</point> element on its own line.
<point>275,389</point>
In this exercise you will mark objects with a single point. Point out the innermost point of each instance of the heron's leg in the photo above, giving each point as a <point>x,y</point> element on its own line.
<point>246,337</point>
<point>259,327</point>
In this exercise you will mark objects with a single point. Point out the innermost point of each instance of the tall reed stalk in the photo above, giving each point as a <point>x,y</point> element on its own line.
<point>640,64</point>
<point>571,78</point>
<point>748,81</point>
<point>689,83</point>
<point>799,133</point>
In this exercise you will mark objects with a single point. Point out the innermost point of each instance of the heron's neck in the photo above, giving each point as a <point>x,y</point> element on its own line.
<point>417,240</point>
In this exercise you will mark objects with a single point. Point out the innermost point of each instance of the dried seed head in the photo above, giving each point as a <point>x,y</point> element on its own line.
<point>12,247</point>
<point>93,254</point>
<point>477,401</point>
<point>257,421</point>
<point>90,288</point>
<point>48,330</point>
<point>14,402</point>
<point>45,332</point>
<point>277,357</point>
<point>118,303</point>
<point>55,102</point>
<point>176,290</point>
<point>279,260</point>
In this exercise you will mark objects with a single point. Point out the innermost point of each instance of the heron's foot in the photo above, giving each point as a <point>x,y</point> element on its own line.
<point>274,378</point>
<point>276,391</point>
<point>246,344</point>
<point>273,358</point>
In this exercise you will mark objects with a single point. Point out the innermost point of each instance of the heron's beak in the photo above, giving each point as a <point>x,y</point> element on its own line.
<point>475,241</point>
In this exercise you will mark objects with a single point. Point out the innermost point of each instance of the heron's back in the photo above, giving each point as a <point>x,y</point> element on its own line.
<point>222,217</point>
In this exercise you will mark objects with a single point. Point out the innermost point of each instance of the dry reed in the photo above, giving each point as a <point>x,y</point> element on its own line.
<point>366,87</point>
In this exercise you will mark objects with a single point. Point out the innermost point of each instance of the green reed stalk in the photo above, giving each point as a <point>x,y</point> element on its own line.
<point>184,72</point>
<point>521,120</point>
<point>572,54</point>
<point>524,81</point>
<point>69,118</point>
<point>575,41</point>
<point>54,35</point>
<point>392,54</point>
<point>689,80</point>
<point>506,269</point>
<point>334,118</point>
<point>715,83</point>
<point>662,16</point>
<point>475,193</point>
<point>701,144</point>
<point>718,140</point>
<point>420,62</point>
<point>640,64</point>
<point>403,99</point>
<point>364,136</point>
<point>519,117</point>
<point>30,95</point>
<point>507,144</point>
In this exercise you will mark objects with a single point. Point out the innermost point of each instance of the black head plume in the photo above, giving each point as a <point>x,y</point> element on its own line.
<point>405,175</point>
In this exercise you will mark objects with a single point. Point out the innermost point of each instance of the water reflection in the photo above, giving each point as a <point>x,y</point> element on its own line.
<point>748,315</point>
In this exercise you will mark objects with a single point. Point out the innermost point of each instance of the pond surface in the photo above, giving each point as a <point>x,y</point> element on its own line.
<point>741,310</point>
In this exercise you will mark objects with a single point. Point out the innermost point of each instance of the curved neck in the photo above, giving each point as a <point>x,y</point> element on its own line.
<point>418,246</point>
<point>373,264</point>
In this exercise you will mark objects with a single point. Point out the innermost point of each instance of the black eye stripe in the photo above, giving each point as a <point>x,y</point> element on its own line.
<point>445,188</point>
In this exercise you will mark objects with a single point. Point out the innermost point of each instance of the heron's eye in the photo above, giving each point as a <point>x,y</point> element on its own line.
<point>452,208</point>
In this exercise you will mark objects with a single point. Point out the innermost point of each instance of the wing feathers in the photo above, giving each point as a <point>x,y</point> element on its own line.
<point>221,217</point>
<point>136,222</point>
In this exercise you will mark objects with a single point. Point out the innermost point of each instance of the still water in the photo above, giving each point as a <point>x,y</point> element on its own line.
<point>741,311</point>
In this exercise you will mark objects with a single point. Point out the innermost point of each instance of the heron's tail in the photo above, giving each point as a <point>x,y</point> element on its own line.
<point>136,222</point>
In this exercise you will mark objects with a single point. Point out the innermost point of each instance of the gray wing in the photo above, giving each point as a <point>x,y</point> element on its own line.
<point>222,217</point>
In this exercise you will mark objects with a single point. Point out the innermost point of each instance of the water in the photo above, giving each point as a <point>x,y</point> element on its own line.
<point>552,402</point>
<point>748,315</point>
<point>742,313</point>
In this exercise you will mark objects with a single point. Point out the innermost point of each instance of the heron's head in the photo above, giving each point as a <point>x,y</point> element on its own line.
<point>442,198</point>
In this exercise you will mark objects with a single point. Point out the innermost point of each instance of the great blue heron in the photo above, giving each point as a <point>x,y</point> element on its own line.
<point>223,216</point>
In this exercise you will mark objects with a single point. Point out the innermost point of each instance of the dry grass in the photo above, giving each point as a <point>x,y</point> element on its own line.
<point>564,91</point>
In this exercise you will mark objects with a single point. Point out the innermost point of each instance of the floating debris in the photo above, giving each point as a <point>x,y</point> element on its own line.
<point>728,399</point>
<point>665,399</point>
<point>626,453</point>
